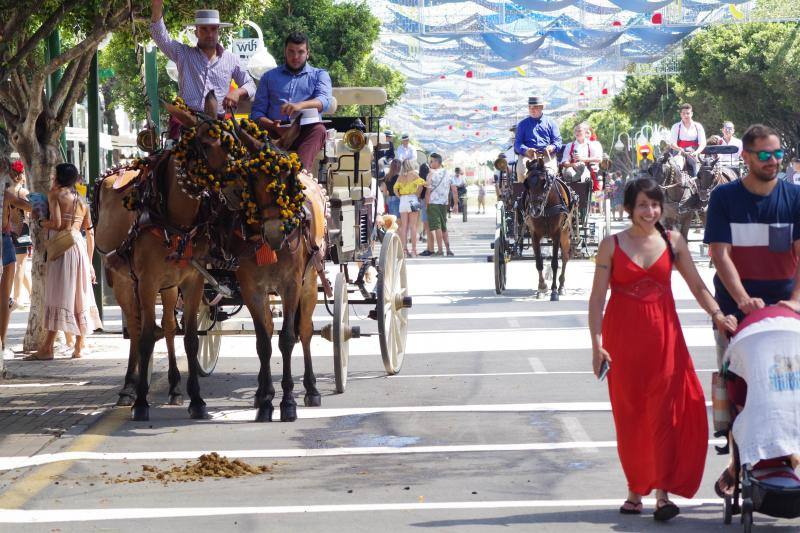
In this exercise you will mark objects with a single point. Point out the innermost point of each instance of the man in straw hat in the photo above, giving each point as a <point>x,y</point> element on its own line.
<point>536,133</point>
<point>204,68</point>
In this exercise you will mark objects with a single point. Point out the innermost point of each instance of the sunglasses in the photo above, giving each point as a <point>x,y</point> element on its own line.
<point>764,155</point>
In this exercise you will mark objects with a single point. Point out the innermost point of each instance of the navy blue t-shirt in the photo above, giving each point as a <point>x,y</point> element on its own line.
<point>761,231</point>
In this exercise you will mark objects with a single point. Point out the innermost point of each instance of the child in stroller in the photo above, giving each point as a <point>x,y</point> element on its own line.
<point>763,362</point>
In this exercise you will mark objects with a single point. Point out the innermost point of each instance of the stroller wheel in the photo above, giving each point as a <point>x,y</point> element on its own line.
<point>727,510</point>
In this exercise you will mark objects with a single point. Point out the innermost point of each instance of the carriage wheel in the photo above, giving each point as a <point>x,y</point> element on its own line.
<point>208,353</point>
<point>341,333</point>
<point>727,513</point>
<point>393,303</point>
<point>499,265</point>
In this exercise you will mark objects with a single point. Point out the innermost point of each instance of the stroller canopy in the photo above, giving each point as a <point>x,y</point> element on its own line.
<point>765,352</point>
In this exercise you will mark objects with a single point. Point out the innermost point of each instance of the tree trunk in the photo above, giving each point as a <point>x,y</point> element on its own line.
<point>40,162</point>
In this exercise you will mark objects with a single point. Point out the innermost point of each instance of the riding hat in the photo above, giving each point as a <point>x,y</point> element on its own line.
<point>388,133</point>
<point>209,17</point>
<point>404,137</point>
<point>535,100</point>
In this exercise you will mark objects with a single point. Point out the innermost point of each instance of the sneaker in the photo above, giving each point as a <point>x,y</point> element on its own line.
<point>426,253</point>
<point>438,254</point>
<point>450,254</point>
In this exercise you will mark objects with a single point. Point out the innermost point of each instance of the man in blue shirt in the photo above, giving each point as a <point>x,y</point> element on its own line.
<point>293,88</point>
<point>536,133</point>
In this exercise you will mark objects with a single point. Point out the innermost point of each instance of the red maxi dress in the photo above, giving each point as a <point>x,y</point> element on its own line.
<point>657,401</point>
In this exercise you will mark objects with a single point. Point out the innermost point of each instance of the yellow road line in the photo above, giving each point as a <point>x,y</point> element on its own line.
<point>32,484</point>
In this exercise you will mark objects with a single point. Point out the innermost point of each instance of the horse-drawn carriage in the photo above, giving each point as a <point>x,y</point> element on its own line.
<point>346,188</point>
<point>513,236</point>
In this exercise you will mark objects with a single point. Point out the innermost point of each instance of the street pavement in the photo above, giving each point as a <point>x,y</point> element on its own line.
<point>494,423</point>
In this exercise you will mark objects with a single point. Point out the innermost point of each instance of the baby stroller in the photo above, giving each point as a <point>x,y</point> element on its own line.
<point>764,359</point>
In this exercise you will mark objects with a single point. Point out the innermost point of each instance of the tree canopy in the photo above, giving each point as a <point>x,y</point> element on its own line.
<point>746,73</point>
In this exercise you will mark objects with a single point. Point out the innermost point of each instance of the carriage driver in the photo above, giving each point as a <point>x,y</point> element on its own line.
<point>536,133</point>
<point>204,68</point>
<point>294,88</point>
<point>688,138</point>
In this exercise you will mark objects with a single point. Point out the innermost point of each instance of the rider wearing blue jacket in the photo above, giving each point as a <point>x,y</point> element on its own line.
<point>536,133</point>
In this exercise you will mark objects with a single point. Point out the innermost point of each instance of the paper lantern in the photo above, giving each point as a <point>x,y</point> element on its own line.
<point>442,77</point>
<point>657,18</point>
<point>582,93</point>
<point>450,127</point>
<point>588,78</point>
<point>616,24</point>
<point>470,74</point>
<point>494,108</point>
<point>604,91</point>
<point>477,134</point>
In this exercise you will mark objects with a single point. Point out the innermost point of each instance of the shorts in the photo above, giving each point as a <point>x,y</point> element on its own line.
<point>394,206</point>
<point>437,217</point>
<point>9,253</point>
<point>409,203</point>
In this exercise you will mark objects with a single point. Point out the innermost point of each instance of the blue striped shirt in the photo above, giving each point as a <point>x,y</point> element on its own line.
<point>196,74</point>
<point>280,86</point>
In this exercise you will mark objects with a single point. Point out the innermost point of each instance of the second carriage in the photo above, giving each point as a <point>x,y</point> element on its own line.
<point>512,239</point>
<point>370,265</point>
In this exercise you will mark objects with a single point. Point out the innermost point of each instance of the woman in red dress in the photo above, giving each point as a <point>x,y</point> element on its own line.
<point>656,399</point>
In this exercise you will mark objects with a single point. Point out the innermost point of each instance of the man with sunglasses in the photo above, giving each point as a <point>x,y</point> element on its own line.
<point>753,230</point>
<point>753,233</point>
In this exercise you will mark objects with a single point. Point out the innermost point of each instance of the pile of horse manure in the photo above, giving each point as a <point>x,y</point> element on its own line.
<point>211,465</point>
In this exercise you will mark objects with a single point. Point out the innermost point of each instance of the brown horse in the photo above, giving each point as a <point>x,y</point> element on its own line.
<point>292,274</point>
<point>156,262</point>
<point>549,209</point>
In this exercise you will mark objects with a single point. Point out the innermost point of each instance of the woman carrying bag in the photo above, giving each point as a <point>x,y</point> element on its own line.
<point>69,298</point>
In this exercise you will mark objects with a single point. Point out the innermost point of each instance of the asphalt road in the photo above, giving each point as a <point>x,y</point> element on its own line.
<point>494,423</point>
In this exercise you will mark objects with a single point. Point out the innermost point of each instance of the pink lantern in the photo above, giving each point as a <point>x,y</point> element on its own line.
<point>604,91</point>
<point>450,127</point>
<point>469,74</point>
<point>657,18</point>
<point>616,24</point>
<point>588,78</point>
<point>494,108</point>
<point>477,134</point>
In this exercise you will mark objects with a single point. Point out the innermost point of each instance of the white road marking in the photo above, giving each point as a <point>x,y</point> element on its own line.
<point>484,374</point>
<point>513,323</point>
<point>442,342</point>
<point>241,415</point>
<point>537,365</point>
<point>38,385</point>
<point>40,516</point>
<point>575,431</point>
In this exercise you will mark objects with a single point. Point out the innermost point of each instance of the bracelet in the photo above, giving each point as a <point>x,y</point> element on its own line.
<point>717,311</point>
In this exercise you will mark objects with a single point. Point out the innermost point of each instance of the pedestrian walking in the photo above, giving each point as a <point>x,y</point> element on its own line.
<point>21,236</point>
<point>656,399</point>
<point>408,187</point>
<point>439,185</point>
<point>481,196</point>
<point>69,298</point>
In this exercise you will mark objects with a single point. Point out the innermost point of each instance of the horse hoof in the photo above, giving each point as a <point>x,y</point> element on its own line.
<point>561,291</point>
<point>198,411</point>
<point>312,400</point>
<point>554,296</point>
<point>288,411</point>
<point>264,413</point>
<point>140,413</point>
<point>125,400</point>
<point>539,294</point>
<point>176,399</point>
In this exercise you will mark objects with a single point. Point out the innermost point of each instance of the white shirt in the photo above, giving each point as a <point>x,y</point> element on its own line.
<point>731,160</point>
<point>406,153</point>
<point>459,181</point>
<point>586,150</point>
<point>440,186</point>
<point>695,132</point>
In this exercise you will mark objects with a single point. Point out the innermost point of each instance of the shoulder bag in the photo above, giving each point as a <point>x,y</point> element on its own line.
<point>62,241</point>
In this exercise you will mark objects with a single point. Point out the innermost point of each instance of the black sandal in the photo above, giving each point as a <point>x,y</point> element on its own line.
<point>637,508</point>
<point>666,512</point>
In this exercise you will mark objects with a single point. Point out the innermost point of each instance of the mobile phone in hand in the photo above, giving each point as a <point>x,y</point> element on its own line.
<point>604,368</point>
